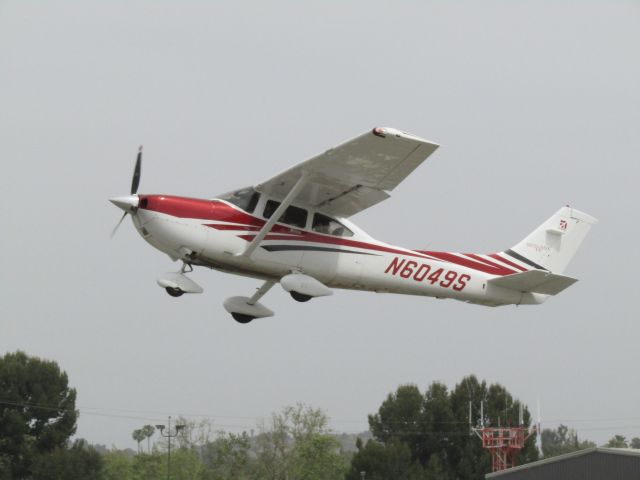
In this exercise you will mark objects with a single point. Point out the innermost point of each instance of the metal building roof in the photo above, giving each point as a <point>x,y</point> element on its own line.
<point>572,462</point>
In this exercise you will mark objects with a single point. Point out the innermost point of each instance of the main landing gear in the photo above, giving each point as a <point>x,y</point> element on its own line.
<point>177,284</point>
<point>174,292</point>
<point>300,297</point>
<point>302,288</point>
<point>245,309</point>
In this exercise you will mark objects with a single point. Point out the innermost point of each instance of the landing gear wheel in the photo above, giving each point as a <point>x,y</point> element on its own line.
<point>174,292</point>
<point>241,317</point>
<point>299,297</point>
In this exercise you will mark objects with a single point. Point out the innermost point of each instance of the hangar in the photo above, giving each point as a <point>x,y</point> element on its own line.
<point>589,464</point>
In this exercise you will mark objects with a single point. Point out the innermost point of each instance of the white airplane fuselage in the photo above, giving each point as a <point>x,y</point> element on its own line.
<point>214,233</point>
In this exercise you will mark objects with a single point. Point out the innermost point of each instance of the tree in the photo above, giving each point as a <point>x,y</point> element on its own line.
<point>80,462</point>
<point>138,435</point>
<point>295,442</point>
<point>618,441</point>
<point>562,440</point>
<point>117,466</point>
<point>148,431</point>
<point>37,412</point>
<point>186,464</point>
<point>150,467</point>
<point>635,442</point>
<point>194,434</point>
<point>317,457</point>
<point>401,417</point>
<point>228,457</point>
<point>435,428</point>
<point>435,469</point>
<point>382,461</point>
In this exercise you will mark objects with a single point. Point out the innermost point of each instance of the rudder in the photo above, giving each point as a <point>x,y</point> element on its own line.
<point>554,243</point>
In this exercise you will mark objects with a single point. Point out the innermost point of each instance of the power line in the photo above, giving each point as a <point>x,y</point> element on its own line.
<point>106,412</point>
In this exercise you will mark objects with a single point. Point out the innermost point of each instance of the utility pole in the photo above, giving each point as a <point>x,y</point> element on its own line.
<point>169,435</point>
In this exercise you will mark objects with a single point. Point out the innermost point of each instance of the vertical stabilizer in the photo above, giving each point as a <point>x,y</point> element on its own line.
<point>554,243</point>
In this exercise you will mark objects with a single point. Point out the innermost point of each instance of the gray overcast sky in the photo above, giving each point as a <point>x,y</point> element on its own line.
<point>535,104</point>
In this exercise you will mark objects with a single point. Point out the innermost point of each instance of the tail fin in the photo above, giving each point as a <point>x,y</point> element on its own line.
<point>554,243</point>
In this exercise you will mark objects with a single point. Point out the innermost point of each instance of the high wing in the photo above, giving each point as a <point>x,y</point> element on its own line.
<point>354,175</point>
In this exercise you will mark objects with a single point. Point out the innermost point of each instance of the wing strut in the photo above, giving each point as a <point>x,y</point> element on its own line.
<point>304,177</point>
<point>260,292</point>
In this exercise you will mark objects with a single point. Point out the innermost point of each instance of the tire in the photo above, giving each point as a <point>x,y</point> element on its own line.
<point>299,297</point>
<point>242,318</point>
<point>174,292</point>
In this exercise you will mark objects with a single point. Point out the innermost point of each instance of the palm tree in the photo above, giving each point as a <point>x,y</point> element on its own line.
<point>138,436</point>
<point>148,431</point>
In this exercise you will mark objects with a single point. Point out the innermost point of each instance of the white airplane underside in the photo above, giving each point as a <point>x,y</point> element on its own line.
<point>292,229</point>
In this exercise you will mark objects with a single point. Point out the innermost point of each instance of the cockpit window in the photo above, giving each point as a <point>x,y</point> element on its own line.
<point>245,199</point>
<point>324,224</point>
<point>294,216</point>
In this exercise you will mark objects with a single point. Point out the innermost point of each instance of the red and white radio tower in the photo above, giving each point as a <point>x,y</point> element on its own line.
<point>503,443</point>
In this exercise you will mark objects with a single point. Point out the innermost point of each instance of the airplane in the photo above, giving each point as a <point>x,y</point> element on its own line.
<point>293,229</point>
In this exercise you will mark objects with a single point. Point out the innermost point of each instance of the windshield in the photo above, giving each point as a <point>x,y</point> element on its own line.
<point>245,199</point>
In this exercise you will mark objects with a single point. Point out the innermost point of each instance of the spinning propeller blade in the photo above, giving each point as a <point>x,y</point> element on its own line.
<point>130,203</point>
<point>135,182</point>
<point>115,229</point>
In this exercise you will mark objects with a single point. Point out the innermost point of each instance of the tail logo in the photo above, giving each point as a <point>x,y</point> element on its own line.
<point>563,224</point>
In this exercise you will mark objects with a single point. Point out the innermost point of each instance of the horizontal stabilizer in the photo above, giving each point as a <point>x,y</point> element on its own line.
<point>535,281</point>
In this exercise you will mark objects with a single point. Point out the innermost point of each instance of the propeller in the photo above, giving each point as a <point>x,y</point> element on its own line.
<point>115,229</point>
<point>135,182</point>
<point>129,203</point>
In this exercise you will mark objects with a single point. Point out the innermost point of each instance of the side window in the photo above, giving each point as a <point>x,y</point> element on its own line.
<point>324,224</point>
<point>245,199</point>
<point>293,216</point>
<point>269,208</point>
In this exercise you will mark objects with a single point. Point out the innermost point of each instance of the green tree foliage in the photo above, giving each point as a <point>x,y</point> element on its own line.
<point>635,442</point>
<point>562,440</point>
<point>37,411</point>
<point>80,462</point>
<point>617,441</point>
<point>436,425</point>
<point>117,465</point>
<point>228,457</point>
<point>148,431</point>
<point>382,461</point>
<point>297,440</point>
<point>149,467</point>
<point>186,464</point>
<point>138,436</point>
<point>317,457</point>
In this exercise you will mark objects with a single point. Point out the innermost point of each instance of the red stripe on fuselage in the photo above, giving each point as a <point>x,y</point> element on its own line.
<point>216,210</point>
<point>483,267</point>
<point>504,260</point>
